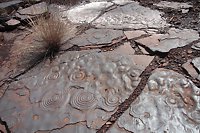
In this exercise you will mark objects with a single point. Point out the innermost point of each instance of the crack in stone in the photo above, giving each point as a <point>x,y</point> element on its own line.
<point>5,125</point>
<point>61,127</point>
<point>4,91</point>
<point>144,78</point>
<point>126,104</point>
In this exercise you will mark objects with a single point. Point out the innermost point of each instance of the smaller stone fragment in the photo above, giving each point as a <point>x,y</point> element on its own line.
<point>185,10</point>
<point>122,2</point>
<point>196,46</point>
<point>151,41</point>
<point>142,60</point>
<point>190,69</point>
<point>108,123</point>
<point>125,49</point>
<point>196,63</point>
<point>134,34</point>
<point>12,22</point>
<point>174,5</point>
<point>143,50</point>
<point>32,11</point>
<point>132,16</point>
<point>173,39</point>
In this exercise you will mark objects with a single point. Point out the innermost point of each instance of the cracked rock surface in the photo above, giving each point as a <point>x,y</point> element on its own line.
<point>96,36</point>
<point>88,12</point>
<point>174,5</point>
<point>167,100</point>
<point>173,39</point>
<point>131,16</point>
<point>125,68</point>
<point>78,87</point>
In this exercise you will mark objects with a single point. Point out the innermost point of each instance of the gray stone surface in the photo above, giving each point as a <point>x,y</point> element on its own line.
<point>76,87</point>
<point>122,2</point>
<point>10,3</point>
<point>12,22</point>
<point>134,34</point>
<point>144,51</point>
<point>96,36</point>
<point>173,39</point>
<point>196,63</point>
<point>131,16</point>
<point>79,91</point>
<point>29,12</point>
<point>184,7</point>
<point>174,5</point>
<point>58,10</point>
<point>87,12</point>
<point>190,69</point>
<point>169,103</point>
<point>124,49</point>
<point>196,46</point>
<point>142,61</point>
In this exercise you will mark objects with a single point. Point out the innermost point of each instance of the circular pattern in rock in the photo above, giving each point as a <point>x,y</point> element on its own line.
<point>54,74</point>
<point>109,103</point>
<point>83,100</point>
<point>77,76</point>
<point>54,100</point>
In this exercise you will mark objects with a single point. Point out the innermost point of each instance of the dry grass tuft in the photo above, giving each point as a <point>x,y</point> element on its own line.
<point>45,42</point>
<point>50,33</point>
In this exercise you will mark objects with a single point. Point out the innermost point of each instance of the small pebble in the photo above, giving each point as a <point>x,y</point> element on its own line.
<point>108,123</point>
<point>189,51</point>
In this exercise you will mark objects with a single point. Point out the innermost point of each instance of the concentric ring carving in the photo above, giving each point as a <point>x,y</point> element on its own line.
<point>77,75</point>
<point>83,100</point>
<point>53,100</point>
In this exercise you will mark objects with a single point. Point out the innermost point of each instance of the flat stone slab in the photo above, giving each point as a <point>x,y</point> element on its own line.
<point>134,34</point>
<point>173,39</point>
<point>87,12</point>
<point>76,87</point>
<point>142,60</point>
<point>184,7</point>
<point>174,5</point>
<point>29,12</point>
<point>12,22</point>
<point>131,15</point>
<point>169,103</point>
<point>96,36</point>
<point>125,49</point>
